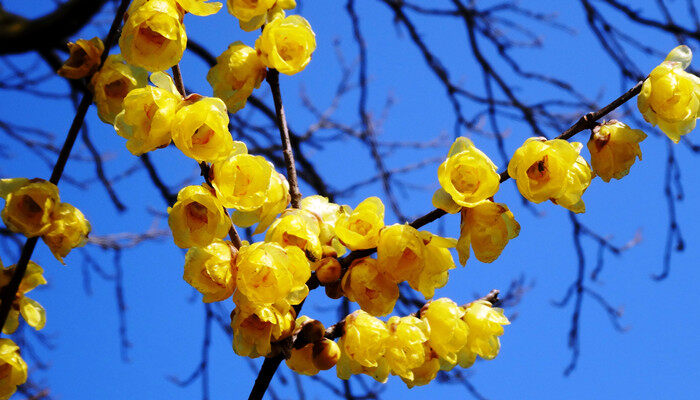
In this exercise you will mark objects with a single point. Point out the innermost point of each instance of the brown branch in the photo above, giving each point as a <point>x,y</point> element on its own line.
<point>273,80</point>
<point>20,35</point>
<point>8,293</point>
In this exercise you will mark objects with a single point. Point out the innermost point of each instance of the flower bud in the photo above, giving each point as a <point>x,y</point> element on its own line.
<point>325,354</point>
<point>487,228</point>
<point>327,269</point>
<point>614,147</point>
<point>310,330</point>
<point>670,96</point>
<point>468,176</point>
<point>237,72</point>
<point>197,218</point>
<point>153,36</point>
<point>29,205</point>
<point>359,229</point>
<point>365,284</point>
<point>334,290</point>
<point>69,229</point>
<point>84,59</point>
<point>551,170</point>
<point>286,44</point>
<point>211,270</point>
<point>13,367</point>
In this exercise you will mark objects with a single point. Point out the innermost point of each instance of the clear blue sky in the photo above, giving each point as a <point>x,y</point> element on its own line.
<point>655,358</point>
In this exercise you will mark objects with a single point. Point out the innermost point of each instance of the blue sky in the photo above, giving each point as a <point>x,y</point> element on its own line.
<point>654,358</point>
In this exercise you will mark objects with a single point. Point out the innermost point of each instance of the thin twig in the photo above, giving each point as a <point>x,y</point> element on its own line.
<point>273,80</point>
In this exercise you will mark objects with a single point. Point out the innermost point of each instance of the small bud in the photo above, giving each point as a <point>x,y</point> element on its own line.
<point>311,331</point>
<point>334,291</point>
<point>328,270</point>
<point>329,251</point>
<point>325,354</point>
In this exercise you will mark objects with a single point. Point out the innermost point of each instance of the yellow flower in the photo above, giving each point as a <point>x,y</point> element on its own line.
<point>467,175</point>
<point>211,270</point>
<point>28,205</point>
<point>69,229</point>
<point>276,200</point>
<point>148,114</point>
<point>448,332</point>
<point>252,14</point>
<point>365,338</point>
<point>112,83</point>
<point>424,374</point>
<point>365,284</point>
<point>359,229</point>
<point>328,213</point>
<point>237,72</point>
<point>200,7</point>
<point>298,228</point>
<point>31,311</point>
<point>13,369</point>
<point>670,96</point>
<point>362,347</point>
<point>245,10</point>
<point>269,273</point>
<point>84,59</point>
<point>487,228</point>
<point>242,181</point>
<point>406,345</point>
<point>256,326</point>
<point>197,218</point>
<point>614,146</point>
<point>400,252</point>
<point>437,262</point>
<point>153,36</point>
<point>200,130</point>
<point>286,44</point>
<point>485,326</point>
<point>551,170</point>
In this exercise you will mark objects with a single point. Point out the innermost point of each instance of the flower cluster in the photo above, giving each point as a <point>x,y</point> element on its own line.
<point>33,208</point>
<point>267,280</point>
<point>415,348</point>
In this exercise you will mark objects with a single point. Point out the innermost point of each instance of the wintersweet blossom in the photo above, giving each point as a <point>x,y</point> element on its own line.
<point>670,96</point>
<point>551,170</point>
